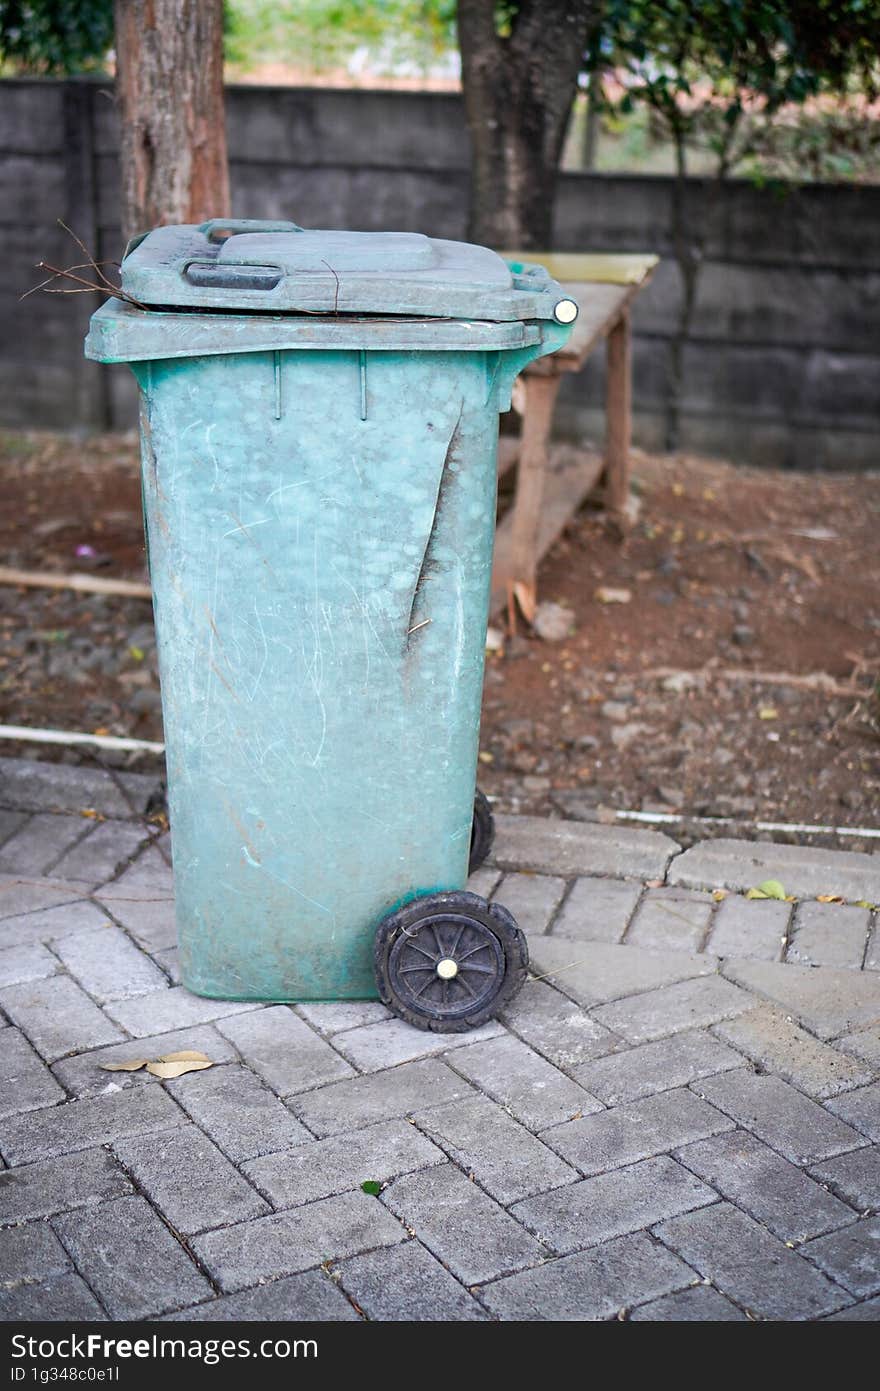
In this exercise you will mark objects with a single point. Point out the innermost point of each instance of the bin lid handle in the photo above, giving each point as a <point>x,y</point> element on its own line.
<point>219,229</point>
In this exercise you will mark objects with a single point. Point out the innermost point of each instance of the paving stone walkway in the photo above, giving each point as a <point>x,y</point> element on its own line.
<point>677,1119</point>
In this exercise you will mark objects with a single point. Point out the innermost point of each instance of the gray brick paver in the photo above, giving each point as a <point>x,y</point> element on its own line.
<point>22,894</point>
<point>463,1227</point>
<point>612,1204</point>
<point>592,973</point>
<point>597,910</point>
<point>699,1304</point>
<point>393,1041</point>
<point>82,1075</point>
<point>569,848</point>
<point>60,1299</point>
<point>784,1118</point>
<point>505,1158</point>
<point>689,1004</point>
<point>638,1130</point>
<point>322,1168</point>
<point>39,844</point>
<point>238,1111</point>
<point>130,1259</point>
<point>860,1109</point>
<point>749,1265</point>
<point>765,1185</point>
<point>306,1297</point>
<point>556,1027</point>
<point>868,1311</point>
<point>57,1016</point>
<point>855,1177</point>
<point>149,919</point>
<point>770,1038</point>
<point>10,822</point>
<point>171,1008</point>
<point>26,1084</point>
<point>591,1285</point>
<point>803,870</point>
<point>649,1068</point>
<point>283,1050</point>
<point>35,786</point>
<point>851,1256</point>
<point>108,965</point>
<point>378,1096</point>
<point>828,1002</point>
<point>829,934</point>
<point>671,918</point>
<point>531,898</point>
<point>79,1125</point>
<point>187,1178</point>
<point>664,1016</point>
<point>534,1092</point>
<point>148,877</point>
<point>335,1017</point>
<point>53,922</point>
<point>168,962</point>
<point>288,1242</point>
<point>31,1252</point>
<point>407,1282</point>
<point>103,852</point>
<point>57,1185</point>
<point>750,928</point>
<point>865,1043</point>
<point>483,881</point>
<point>29,962</point>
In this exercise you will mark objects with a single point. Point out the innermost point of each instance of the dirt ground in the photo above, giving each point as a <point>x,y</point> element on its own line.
<point>737,682</point>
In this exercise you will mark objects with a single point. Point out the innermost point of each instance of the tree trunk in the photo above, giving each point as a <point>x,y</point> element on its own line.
<point>687,241</point>
<point>518,92</point>
<point>592,116</point>
<point>169,89</point>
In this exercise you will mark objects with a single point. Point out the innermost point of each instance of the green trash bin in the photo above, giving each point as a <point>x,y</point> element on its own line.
<point>319,420</point>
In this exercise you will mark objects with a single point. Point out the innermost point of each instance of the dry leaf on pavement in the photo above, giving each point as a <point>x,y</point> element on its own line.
<point>167,1066</point>
<point>177,1069</point>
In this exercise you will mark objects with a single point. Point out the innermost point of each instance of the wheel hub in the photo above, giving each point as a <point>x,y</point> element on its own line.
<point>448,964</point>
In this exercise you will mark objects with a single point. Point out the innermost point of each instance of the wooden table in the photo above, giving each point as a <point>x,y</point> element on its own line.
<point>552,483</point>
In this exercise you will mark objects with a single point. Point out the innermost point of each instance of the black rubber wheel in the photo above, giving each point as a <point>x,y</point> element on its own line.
<point>483,832</point>
<point>449,961</point>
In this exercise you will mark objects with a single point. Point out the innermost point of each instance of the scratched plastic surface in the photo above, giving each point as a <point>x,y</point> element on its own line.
<point>320,529</point>
<point>321,587</point>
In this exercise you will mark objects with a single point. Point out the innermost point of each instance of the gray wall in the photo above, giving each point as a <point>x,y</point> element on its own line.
<point>783,366</point>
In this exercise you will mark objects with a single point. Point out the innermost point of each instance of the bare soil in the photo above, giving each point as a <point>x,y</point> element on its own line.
<point>739,682</point>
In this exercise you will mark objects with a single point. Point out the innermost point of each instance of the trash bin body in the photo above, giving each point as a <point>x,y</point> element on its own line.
<point>319,496</point>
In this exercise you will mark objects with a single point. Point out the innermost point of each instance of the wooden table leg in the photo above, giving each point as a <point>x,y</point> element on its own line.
<point>618,420</point>
<point>540,400</point>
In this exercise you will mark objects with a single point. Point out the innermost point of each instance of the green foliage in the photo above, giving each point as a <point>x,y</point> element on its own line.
<point>717,73</point>
<point>55,36</point>
<point>321,34</point>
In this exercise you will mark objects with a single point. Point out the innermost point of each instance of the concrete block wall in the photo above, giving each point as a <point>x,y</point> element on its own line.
<point>783,363</point>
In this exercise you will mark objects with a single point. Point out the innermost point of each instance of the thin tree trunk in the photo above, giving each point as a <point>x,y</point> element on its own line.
<point>169,89</point>
<point>518,91</point>
<point>687,247</point>
<point>592,117</point>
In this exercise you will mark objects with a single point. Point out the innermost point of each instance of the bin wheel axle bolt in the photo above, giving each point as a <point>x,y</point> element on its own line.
<point>447,968</point>
<point>566,311</point>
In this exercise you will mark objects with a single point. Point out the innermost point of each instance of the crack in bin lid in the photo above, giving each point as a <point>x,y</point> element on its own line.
<point>281,268</point>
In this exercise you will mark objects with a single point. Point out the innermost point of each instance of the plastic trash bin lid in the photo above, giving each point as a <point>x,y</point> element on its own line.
<point>282,268</point>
